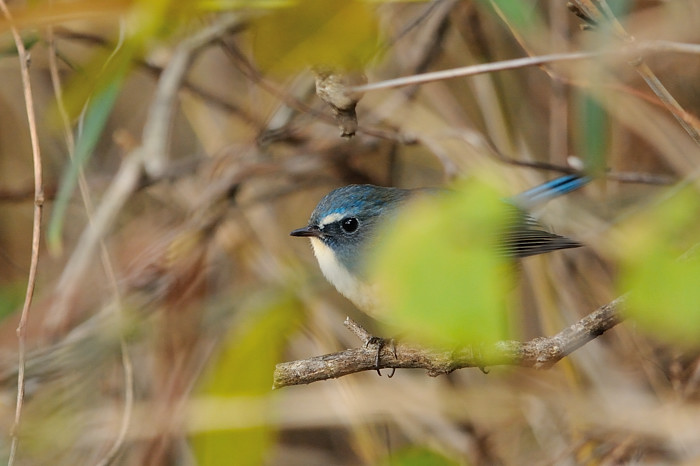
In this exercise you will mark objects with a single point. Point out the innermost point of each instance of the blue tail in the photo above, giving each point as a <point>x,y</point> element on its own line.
<point>549,190</point>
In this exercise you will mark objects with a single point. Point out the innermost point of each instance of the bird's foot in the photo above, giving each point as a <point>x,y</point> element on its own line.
<point>381,343</point>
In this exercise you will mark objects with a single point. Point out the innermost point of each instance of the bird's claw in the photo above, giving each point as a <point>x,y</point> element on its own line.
<point>381,342</point>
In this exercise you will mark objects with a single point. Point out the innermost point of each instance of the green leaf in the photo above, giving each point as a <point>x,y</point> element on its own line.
<point>594,123</point>
<point>243,371</point>
<point>95,119</point>
<point>219,5</point>
<point>660,272</point>
<point>29,40</point>
<point>11,297</point>
<point>441,276</point>
<point>418,456</point>
<point>340,34</point>
<point>520,14</point>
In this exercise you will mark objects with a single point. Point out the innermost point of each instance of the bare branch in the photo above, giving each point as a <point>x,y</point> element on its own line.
<point>540,353</point>
<point>482,68</point>
<point>629,50</point>
<point>150,157</point>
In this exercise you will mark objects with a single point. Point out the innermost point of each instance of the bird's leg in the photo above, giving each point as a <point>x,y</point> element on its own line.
<point>381,342</point>
<point>396,356</point>
<point>369,339</point>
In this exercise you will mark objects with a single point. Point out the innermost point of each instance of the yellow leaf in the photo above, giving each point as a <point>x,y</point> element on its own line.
<point>243,370</point>
<point>657,269</point>
<point>341,34</point>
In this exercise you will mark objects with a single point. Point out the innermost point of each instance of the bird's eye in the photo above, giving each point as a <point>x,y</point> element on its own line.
<point>350,224</point>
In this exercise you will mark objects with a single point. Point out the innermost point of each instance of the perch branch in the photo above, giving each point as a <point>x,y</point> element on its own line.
<point>540,353</point>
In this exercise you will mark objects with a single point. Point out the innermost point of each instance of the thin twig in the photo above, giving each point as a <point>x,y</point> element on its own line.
<point>667,99</point>
<point>25,194</point>
<point>526,62</point>
<point>598,14</point>
<point>104,253</point>
<point>126,181</point>
<point>157,127</point>
<point>658,46</point>
<point>249,70</point>
<point>478,69</point>
<point>36,227</point>
<point>198,91</point>
<point>540,353</point>
<point>642,178</point>
<point>603,10</point>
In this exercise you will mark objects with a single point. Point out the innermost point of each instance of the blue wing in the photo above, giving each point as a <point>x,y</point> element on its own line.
<point>526,237</point>
<point>549,190</point>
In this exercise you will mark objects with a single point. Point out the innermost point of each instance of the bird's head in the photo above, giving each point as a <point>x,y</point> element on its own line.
<point>345,222</point>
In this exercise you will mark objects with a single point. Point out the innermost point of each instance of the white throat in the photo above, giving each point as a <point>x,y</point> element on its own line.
<point>361,294</point>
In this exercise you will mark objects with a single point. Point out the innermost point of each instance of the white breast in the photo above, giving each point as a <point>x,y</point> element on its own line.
<point>361,294</point>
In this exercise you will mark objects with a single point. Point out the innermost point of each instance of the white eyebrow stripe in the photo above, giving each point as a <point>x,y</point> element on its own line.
<point>330,218</point>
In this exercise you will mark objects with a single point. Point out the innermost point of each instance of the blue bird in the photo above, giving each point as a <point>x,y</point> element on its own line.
<point>344,224</point>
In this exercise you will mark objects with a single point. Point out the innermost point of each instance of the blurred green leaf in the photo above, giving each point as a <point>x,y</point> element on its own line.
<point>441,275</point>
<point>340,34</point>
<point>244,368</point>
<point>95,119</point>
<point>658,269</point>
<point>11,297</point>
<point>595,130</point>
<point>146,23</point>
<point>218,5</point>
<point>10,50</point>
<point>620,7</point>
<point>416,456</point>
<point>99,84</point>
<point>522,15</point>
<point>53,428</point>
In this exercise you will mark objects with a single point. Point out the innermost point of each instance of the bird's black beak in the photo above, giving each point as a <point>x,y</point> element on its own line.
<point>311,230</point>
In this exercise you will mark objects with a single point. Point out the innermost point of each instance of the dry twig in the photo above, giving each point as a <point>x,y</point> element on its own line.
<point>36,226</point>
<point>150,157</point>
<point>503,65</point>
<point>540,353</point>
<point>598,12</point>
<point>127,365</point>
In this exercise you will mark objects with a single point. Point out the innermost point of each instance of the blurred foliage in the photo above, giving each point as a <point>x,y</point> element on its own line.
<point>11,297</point>
<point>595,139</point>
<point>520,14</point>
<point>416,456</point>
<point>336,33</point>
<point>96,115</point>
<point>660,266</point>
<point>143,24</point>
<point>243,368</point>
<point>440,271</point>
<point>28,40</point>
